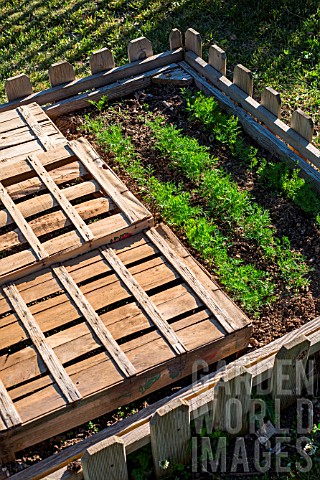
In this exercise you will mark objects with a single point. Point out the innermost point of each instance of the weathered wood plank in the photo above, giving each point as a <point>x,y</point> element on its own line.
<point>60,73</point>
<point>61,199</point>
<point>94,320</point>
<point>287,134</point>
<point>287,367</point>
<point>105,184</point>
<point>111,91</point>
<point>101,60</point>
<point>193,42</point>
<point>143,299</point>
<point>175,39</point>
<point>8,412</point>
<point>17,171</point>
<point>261,135</point>
<point>18,86</point>
<point>44,202</point>
<point>192,281</point>
<point>51,222</point>
<point>170,436</point>
<point>271,100</point>
<point>106,459</point>
<point>218,59</point>
<point>98,80</point>
<point>243,78</point>
<point>46,141</point>
<point>22,224</point>
<point>302,124</point>
<point>107,230</point>
<point>139,49</point>
<point>46,353</point>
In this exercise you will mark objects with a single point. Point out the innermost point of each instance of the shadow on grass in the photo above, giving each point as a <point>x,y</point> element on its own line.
<point>278,41</point>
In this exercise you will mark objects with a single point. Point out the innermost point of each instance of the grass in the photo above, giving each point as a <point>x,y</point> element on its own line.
<point>278,41</point>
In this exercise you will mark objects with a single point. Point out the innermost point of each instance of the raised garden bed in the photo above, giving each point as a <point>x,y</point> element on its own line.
<point>275,280</point>
<point>233,235</point>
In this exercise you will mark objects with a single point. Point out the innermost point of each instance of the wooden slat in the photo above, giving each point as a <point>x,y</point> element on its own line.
<point>101,79</point>
<point>287,134</point>
<point>143,299</point>
<point>94,320</point>
<point>191,280</point>
<point>8,412</point>
<point>30,119</point>
<point>105,184</point>
<point>115,90</point>
<point>46,353</point>
<point>22,169</point>
<point>26,231</point>
<point>61,199</point>
<point>18,86</point>
<point>44,202</point>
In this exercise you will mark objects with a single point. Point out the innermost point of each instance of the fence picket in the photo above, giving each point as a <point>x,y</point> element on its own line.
<point>105,460</point>
<point>18,87</point>
<point>302,124</point>
<point>231,401</point>
<point>170,436</point>
<point>218,59</point>
<point>286,369</point>
<point>61,72</point>
<point>243,78</point>
<point>271,100</point>
<point>101,60</point>
<point>175,39</point>
<point>139,48</point>
<point>193,41</point>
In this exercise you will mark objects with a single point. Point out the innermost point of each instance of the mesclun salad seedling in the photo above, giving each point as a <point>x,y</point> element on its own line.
<point>225,202</point>
<point>225,129</point>
<point>252,287</point>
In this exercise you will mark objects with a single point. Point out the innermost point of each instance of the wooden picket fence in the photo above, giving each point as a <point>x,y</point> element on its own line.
<point>166,424</point>
<point>291,143</point>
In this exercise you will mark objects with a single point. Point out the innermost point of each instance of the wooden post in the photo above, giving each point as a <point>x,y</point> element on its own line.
<point>105,460</point>
<point>170,436</point>
<point>175,39</point>
<point>243,78</point>
<point>286,370</point>
<point>271,100</point>
<point>231,401</point>
<point>101,60</point>
<point>61,72</point>
<point>218,59</point>
<point>139,49</point>
<point>193,41</point>
<point>302,124</point>
<point>18,87</point>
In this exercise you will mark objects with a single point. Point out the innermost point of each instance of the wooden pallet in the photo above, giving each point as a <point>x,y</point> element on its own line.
<point>27,130</point>
<point>81,338</point>
<point>59,203</point>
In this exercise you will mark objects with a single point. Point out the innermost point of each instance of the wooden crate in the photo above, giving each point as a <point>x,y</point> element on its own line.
<point>59,203</point>
<point>26,130</point>
<point>81,338</point>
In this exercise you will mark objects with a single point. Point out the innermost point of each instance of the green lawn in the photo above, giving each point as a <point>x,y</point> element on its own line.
<point>278,41</point>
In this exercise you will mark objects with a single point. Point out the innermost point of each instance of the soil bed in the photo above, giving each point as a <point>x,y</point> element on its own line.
<point>289,311</point>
